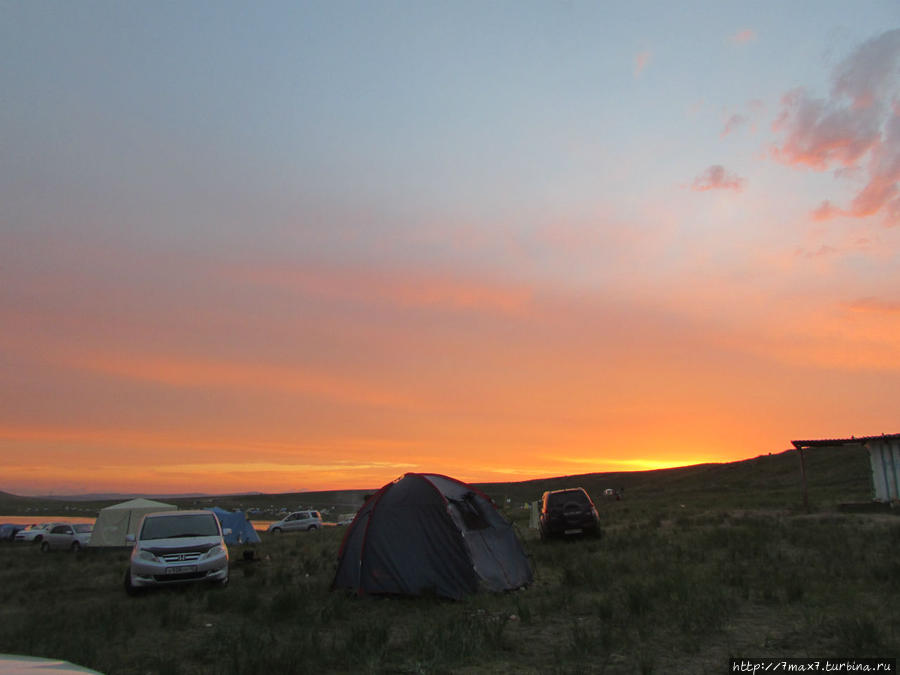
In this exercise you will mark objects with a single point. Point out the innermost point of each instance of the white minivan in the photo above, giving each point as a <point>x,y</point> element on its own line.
<point>177,547</point>
<point>299,520</point>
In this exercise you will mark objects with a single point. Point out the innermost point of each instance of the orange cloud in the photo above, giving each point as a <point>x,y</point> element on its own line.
<point>409,289</point>
<point>875,305</point>
<point>200,373</point>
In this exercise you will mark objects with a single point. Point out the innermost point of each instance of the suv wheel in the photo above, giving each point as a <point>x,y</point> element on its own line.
<point>312,528</point>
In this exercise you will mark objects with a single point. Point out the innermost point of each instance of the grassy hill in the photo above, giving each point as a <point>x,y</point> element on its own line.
<point>835,475</point>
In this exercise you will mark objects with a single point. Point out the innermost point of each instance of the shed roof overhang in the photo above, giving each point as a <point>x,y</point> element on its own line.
<point>853,440</point>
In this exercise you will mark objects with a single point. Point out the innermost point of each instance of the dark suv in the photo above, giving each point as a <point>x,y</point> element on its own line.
<point>567,512</point>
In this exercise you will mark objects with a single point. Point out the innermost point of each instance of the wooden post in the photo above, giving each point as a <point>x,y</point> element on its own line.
<point>803,479</point>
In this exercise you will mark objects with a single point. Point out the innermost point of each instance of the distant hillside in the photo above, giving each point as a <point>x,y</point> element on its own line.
<point>341,501</point>
<point>11,504</point>
<point>835,475</point>
<point>122,496</point>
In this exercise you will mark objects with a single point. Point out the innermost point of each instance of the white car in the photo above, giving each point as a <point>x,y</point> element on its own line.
<point>299,520</point>
<point>33,534</point>
<point>67,536</point>
<point>177,547</point>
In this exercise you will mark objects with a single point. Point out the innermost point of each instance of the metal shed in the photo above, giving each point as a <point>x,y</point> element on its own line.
<point>884,457</point>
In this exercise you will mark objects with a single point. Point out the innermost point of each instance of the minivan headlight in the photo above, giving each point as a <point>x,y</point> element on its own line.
<point>217,550</point>
<point>146,555</point>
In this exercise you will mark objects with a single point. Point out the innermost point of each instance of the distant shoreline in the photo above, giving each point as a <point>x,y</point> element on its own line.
<point>259,525</point>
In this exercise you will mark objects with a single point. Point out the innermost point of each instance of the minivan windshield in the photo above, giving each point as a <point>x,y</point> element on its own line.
<point>170,527</point>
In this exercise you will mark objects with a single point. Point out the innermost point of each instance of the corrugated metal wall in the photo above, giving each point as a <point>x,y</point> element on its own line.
<point>885,459</point>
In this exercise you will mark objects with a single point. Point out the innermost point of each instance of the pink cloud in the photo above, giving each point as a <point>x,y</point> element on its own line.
<point>744,36</point>
<point>883,188</point>
<point>849,172</point>
<point>641,61</point>
<point>875,305</point>
<point>754,109</point>
<point>717,178</point>
<point>823,250</point>
<point>756,105</point>
<point>858,123</point>
<point>733,123</point>
<point>819,134</point>
<point>694,108</point>
<point>826,211</point>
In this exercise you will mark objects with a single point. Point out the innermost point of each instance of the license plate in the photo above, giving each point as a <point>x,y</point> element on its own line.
<point>181,570</point>
<point>577,530</point>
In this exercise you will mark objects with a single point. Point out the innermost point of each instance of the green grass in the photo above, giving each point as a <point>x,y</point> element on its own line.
<point>695,566</point>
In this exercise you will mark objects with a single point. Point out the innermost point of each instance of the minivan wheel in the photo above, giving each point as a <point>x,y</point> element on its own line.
<point>130,589</point>
<point>45,546</point>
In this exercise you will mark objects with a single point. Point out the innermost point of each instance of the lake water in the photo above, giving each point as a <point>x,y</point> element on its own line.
<point>28,520</point>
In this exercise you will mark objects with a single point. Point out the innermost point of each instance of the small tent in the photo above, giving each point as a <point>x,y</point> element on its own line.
<point>426,533</point>
<point>8,531</point>
<point>119,520</point>
<point>242,531</point>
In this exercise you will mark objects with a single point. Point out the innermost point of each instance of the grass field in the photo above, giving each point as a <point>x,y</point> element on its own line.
<point>696,565</point>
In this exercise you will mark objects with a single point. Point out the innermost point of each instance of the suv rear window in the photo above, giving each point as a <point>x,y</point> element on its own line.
<point>566,496</point>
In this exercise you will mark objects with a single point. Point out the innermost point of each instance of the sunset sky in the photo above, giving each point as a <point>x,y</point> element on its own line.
<point>294,246</point>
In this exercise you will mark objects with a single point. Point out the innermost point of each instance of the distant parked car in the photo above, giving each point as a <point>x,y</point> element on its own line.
<point>33,534</point>
<point>299,520</point>
<point>177,547</point>
<point>568,512</point>
<point>70,536</point>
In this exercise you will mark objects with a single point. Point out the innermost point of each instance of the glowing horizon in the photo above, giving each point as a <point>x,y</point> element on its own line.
<point>268,477</point>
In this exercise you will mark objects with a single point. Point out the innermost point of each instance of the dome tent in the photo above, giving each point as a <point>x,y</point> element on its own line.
<point>430,533</point>
<point>242,531</point>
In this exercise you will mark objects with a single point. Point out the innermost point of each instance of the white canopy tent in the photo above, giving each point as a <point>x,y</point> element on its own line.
<point>119,520</point>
